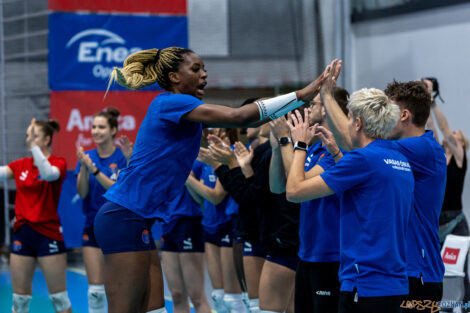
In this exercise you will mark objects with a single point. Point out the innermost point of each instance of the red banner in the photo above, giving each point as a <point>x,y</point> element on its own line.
<point>173,7</point>
<point>74,111</point>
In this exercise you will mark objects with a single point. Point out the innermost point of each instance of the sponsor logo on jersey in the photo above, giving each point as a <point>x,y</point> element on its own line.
<point>188,244</point>
<point>146,236</point>
<point>323,293</point>
<point>24,175</point>
<point>398,165</point>
<point>17,245</point>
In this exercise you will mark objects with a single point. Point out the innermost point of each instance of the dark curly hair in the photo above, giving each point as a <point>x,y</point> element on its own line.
<point>412,96</point>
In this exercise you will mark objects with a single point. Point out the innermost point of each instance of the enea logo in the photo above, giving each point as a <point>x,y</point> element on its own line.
<point>111,49</point>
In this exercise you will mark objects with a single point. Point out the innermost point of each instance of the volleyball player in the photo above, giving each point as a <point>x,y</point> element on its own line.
<point>155,175</point>
<point>278,221</point>
<point>37,233</point>
<point>218,233</point>
<point>317,285</point>
<point>96,171</point>
<point>183,249</point>
<point>376,185</point>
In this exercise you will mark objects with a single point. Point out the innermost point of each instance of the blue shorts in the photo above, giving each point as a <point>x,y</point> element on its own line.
<point>28,242</point>
<point>222,237</point>
<point>118,229</point>
<point>185,236</point>
<point>289,262</point>
<point>253,249</point>
<point>88,237</point>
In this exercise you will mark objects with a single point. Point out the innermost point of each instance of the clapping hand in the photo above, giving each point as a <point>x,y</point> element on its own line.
<point>299,127</point>
<point>126,146</point>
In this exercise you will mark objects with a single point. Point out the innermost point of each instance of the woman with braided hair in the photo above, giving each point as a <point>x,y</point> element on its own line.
<point>146,189</point>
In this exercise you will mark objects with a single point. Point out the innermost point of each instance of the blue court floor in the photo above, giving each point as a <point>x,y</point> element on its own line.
<point>77,286</point>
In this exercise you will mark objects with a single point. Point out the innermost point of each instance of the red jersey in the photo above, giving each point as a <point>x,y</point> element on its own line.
<point>37,200</point>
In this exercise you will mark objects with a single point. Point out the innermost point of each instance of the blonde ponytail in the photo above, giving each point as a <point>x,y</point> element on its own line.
<point>146,67</point>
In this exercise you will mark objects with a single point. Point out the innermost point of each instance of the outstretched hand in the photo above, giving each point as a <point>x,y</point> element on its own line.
<point>299,127</point>
<point>331,77</point>
<point>311,90</point>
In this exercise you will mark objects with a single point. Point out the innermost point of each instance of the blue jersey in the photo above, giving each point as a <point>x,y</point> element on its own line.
<point>214,216</point>
<point>429,165</point>
<point>319,218</point>
<point>375,185</point>
<point>108,166</point>
<point>184,205</point>
<point>165,149</point>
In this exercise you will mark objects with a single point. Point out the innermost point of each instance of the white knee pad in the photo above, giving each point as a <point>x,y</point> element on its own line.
<point>217,296</point>
<point>60,301</point>
<point>96,299</point>
<point>234,303</point>
<point>21,303</point>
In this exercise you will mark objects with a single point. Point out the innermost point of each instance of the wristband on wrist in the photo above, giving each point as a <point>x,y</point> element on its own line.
<point>277,106</point>
<point>96,172</point>
<point>336,154</point>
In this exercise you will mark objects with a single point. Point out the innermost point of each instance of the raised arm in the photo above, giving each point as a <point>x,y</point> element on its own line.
<point>47,171</point>
<point>257,113</point>
<point>454,146</point>
<point>431,126</point>
<point>337,120</point>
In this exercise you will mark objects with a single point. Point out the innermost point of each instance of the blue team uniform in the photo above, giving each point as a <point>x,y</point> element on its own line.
<point>218,225</point>
<point>319,218</point>
<point>183,233</point>
<point>151,184</point>
<point>375,185</point>
<point>429,165</point>
<point>94,200</point>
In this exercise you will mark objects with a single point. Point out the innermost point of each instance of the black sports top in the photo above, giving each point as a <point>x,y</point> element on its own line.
<point>454,186</point>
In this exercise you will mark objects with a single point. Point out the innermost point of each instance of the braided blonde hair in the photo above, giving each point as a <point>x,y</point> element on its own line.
<point>146,67</point>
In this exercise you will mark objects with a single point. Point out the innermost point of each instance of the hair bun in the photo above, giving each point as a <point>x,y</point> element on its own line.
<point>54,125</point>
<point>113,112</point>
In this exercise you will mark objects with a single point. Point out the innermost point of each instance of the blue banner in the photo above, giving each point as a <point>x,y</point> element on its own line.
<point>84,48</point>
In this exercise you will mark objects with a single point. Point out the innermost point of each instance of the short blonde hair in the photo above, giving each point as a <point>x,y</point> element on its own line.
<point>147,67</point>
<point>378,114</point>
